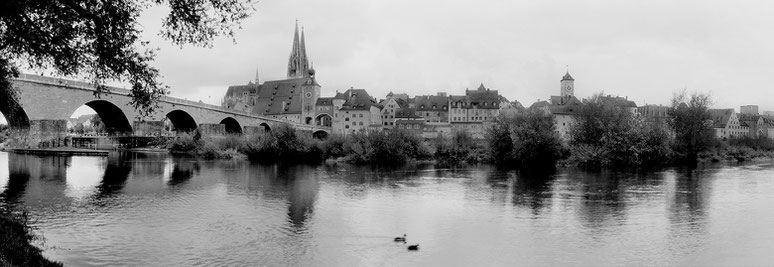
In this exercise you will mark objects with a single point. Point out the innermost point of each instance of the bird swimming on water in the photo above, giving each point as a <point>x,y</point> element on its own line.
<point>401,239</point>
<point>413,247</point>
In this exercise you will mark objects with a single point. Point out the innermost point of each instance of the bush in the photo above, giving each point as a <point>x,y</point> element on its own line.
<point>525,139</point>
<point>333,147</point>
<point>757,143</point>
<point>185,142</point>
<point>607,134</point>
<point>283,143</point>
<point>460,148</point>
<point>385,147</point>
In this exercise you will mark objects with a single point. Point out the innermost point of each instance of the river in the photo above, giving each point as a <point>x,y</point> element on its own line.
<point>157,210</point>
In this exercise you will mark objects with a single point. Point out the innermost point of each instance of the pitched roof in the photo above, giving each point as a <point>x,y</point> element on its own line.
<point>272,94</point>
<point>431,103</point>
<point>571,105</point>
<point>619,101</point>
<point>237,90</point>
<point>567,77</point>
<point>407,113</point>
<point>358,99</point>
<point>324,101</point>
<point>720,117</point>
<point>539,104</point>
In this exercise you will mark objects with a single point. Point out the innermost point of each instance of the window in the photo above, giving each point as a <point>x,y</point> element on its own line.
<point>361,123</point>
<point>354,115</point>
<point>361,115</point>
<point>416,126</point>
<point>346,119</point>
<point>346,126</point>
<point>354,123</point>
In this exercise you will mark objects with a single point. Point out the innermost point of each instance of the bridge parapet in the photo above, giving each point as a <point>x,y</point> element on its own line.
<point>38,86</point>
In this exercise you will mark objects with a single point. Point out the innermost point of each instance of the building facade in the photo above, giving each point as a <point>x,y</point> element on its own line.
<point>293,99</point>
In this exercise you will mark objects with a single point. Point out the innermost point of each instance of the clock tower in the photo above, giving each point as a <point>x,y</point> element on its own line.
<point>568,85</point>
<point>310,92</point>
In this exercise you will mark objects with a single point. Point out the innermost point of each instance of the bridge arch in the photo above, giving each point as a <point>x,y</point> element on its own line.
<point>322,135</point>
<point>13,112</point>
<point>112,116</point>
<point>324,120</point>
<point>266,127</point>
<point>232,125</point>
<point>182,121</point>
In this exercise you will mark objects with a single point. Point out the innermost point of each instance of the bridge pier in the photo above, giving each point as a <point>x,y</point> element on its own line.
<point>149,128</point>
<point>40,134</point>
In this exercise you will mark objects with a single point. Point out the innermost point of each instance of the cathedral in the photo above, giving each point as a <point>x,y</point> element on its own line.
<point>292,99</point>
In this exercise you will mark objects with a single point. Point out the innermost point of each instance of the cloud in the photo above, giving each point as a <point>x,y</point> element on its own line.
<point>645,50</point>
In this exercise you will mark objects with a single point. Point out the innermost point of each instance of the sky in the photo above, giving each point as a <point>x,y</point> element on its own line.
<point>645,50</point>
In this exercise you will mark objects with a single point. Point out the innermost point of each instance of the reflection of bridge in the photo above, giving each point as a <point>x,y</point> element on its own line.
<point>45,104</point>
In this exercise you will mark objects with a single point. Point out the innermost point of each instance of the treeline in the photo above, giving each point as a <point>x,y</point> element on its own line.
<point>605,133</point>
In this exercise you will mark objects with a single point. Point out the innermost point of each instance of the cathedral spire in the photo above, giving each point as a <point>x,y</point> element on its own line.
<point>298,64</point>
<point>304,59</point>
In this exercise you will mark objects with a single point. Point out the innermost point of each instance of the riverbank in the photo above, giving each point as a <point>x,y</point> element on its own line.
<point>16,248</point>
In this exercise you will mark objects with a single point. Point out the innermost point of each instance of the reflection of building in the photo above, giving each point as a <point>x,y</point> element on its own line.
<point>292,99</point>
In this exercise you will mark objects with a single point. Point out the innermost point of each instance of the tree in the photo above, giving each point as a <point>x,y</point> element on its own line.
<point>527,138</point>
<point>78,128</point>
<point>100,39</point>
<point>97,124</point>
<point>607,133</point>
<point>690,117</point>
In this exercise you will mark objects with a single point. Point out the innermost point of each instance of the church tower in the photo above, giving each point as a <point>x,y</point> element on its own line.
<point>298,64</point>
<point>568,85</point>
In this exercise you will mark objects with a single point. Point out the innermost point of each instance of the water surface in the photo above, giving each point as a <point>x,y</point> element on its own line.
<point>153,209</point>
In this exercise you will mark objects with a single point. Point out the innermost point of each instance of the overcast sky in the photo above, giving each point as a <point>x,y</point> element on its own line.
<point>646,50</point>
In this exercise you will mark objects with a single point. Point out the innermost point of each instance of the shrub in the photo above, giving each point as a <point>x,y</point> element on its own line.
<point>606,133</point>
<point>283,143</point>
<point>385,147</point>
<point>525,138</point>
<point>186,142</point>
<point>460,148</point>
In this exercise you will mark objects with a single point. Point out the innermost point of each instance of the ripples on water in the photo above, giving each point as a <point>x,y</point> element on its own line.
<point>151,209</point>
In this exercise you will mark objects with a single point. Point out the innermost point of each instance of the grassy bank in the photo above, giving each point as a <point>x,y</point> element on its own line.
<point>15,246</point>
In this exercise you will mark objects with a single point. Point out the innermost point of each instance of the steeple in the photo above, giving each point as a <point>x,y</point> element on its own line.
<point>567,85</point>
<point>256,75</point>
<point>298,64</point>
<point>303,50</point>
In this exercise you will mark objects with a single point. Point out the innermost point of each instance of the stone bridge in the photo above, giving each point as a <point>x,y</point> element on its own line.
<point>44,105</point>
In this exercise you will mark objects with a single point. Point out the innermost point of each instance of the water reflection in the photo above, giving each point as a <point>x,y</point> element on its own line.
<point>18,178</point>
<point>117,170</point>
<point>183,211</point>
<point>532,189</point>
<point>182,171</point>
<point>302,194</point>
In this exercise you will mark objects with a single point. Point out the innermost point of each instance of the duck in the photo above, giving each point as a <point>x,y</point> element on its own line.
<point>401,239</point>
<point>413,247</point>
